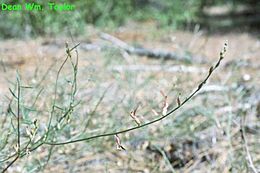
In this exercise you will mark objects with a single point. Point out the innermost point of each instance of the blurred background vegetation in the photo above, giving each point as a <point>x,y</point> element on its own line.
<point>177,14</point>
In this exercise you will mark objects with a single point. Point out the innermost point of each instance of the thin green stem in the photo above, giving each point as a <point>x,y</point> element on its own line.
<point>44,138</point>
<point>56,85</point>
<point>10,164</point>
<point>150,122</point>
<point>55,94</point>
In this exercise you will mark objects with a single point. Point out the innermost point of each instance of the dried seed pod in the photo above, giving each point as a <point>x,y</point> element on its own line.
<point>155,113</point>
<point>165,108</point>
<point>135,118</point>
<point>162,93</point>
<point>136,109</point>
<point>178,101</point>
<point>118,143</point>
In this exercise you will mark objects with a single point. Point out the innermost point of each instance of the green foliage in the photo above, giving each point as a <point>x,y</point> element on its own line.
<point>173,13</point>
<point>106,12</point>
<point>103,13</point>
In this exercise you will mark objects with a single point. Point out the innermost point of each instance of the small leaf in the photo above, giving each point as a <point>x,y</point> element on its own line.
<point>164,95</point>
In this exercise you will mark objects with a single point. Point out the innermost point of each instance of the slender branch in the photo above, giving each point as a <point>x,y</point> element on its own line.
<point>55,94</point>
<point>213,68</point>
<point>8,157</point>
<point>152,53</point>
<point>23,152</point>
<point>10,164</point>
<point>19,156</point>
<point>56,84</point>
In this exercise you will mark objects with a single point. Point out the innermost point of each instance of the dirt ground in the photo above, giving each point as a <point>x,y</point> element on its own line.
<point>204,136</point>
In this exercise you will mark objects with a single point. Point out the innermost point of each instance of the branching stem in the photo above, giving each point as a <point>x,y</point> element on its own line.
<point>213,68</point>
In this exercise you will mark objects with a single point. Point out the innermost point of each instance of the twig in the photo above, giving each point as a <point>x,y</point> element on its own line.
<point>56,85</point>
<point>211,70</point>
<point>22,152</point>
<point>166,55</point>
<point>10,164</point>
<point>44,139</point>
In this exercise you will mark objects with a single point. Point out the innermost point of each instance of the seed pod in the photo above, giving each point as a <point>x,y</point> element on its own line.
<point>211,69</point>
<point>178,101</point>
<point>155,113</point>
<point>165,108</point>
<point>118,143</point>
<point>135,118</point>
<point>165,103</point>
<point>200,85</point>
